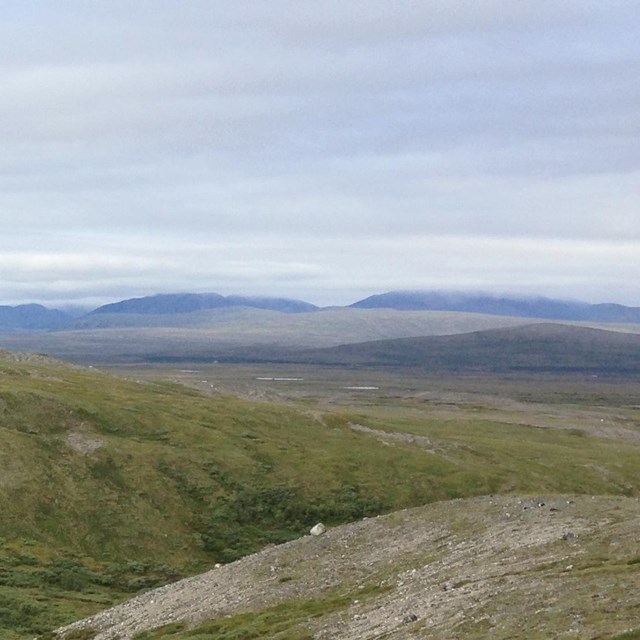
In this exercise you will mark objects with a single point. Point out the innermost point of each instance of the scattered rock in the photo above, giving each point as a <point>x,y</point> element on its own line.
<point>318,529</point>
<point>412,617</point>
<point>568,535</point>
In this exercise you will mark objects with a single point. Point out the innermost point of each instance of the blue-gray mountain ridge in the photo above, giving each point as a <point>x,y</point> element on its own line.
<point>534,307</point>
<point>169,303</point>
<point>35,317</point>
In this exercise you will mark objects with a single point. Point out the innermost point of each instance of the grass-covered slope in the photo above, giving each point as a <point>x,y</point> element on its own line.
<point>110,486</point>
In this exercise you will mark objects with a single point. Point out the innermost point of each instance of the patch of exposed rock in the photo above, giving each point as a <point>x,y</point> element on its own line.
<point>83,442</point>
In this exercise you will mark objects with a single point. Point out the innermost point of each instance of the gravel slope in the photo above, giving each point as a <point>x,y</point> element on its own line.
<point>499,567</point>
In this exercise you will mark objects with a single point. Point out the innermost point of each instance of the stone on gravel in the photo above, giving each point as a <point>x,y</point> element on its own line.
<point>318,529</point>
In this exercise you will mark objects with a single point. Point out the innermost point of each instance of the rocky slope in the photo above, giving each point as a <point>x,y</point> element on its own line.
<point>504,567</point>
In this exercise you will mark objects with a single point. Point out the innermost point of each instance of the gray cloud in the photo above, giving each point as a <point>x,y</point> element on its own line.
<point>324,151</point>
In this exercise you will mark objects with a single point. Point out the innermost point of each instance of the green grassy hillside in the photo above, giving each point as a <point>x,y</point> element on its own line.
<point>110,486</point>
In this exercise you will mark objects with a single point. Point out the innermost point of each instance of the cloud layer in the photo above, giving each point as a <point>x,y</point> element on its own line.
<point>324,151</point>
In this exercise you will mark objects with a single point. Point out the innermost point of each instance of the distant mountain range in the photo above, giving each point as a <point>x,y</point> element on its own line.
<point>155,310</point>
<point>33,317</point>
<point>537,307</point>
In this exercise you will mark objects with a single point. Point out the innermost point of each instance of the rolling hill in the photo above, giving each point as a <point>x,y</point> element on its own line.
<point>221,333</point>
<point>542,347</point>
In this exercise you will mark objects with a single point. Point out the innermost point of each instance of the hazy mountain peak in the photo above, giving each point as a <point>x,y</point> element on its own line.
<point>32,317</point>
<point>171,303</point>
<point>515,306</point>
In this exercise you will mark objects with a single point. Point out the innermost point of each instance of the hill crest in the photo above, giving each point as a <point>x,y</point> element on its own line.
<point>538,347</point>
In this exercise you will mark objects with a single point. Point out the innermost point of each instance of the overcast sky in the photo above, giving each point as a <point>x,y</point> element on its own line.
<point>323,150</point>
